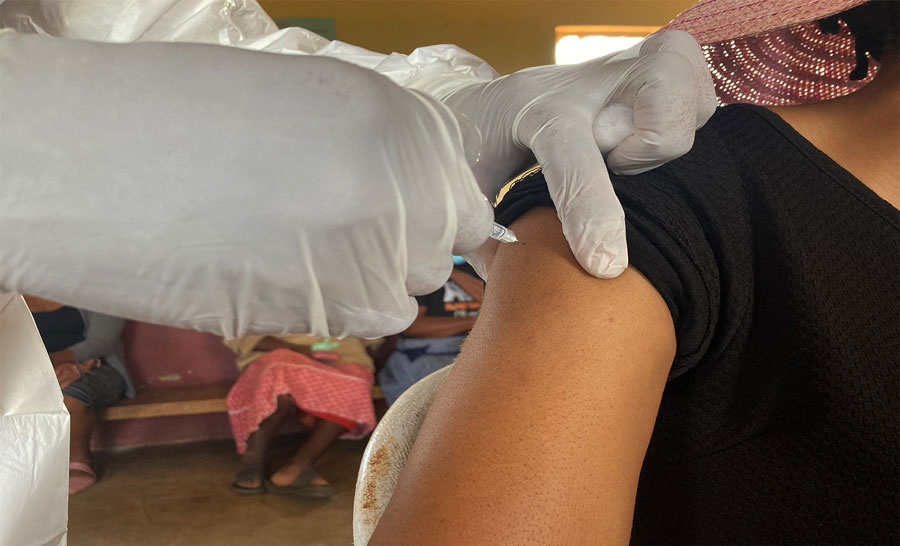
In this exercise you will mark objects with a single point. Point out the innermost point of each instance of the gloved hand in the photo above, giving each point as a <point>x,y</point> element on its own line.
<point>226,190</point>
<point>639,108</point>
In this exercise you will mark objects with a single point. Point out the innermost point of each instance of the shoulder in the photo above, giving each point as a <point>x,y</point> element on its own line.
<point>722,151</point>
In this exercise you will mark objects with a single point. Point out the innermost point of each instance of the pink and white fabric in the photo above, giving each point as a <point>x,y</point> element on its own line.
<point>339,392</point>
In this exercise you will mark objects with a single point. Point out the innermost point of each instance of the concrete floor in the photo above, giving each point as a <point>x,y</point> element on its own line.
<point>178,495</point>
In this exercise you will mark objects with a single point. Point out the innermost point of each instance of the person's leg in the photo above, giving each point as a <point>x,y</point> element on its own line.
<point>82,426</point>
<point>322,436</point>
<point>96,389</point>
<point>252,472</point>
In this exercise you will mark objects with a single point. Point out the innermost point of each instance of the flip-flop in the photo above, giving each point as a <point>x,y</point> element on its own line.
<point>250,472</point>
<point>80,483</point>
<point>303,487</point>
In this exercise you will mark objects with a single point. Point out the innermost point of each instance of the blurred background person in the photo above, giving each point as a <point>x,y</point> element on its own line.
<point>325,382</point>
<point>433,340</point>
<point>86,354</point>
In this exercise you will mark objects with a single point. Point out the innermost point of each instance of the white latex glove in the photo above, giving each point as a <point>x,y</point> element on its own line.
<point>639,107</point>
<point>226,190</point>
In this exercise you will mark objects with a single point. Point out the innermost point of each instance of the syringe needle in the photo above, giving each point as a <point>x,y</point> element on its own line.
<point>503,234</point>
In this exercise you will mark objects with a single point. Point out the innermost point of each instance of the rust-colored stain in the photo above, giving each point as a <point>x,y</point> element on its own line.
<point>378,457</point>
<point>369,496</point>
<point>376,473</point>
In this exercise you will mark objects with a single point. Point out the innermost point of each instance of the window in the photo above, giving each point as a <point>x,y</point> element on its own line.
<point>579,43</point>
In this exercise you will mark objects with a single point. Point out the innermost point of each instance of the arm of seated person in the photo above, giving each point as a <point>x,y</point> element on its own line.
<point>433,327</point>
<point>540,430</point>
<point>271,343</point>
<point>66,355</point>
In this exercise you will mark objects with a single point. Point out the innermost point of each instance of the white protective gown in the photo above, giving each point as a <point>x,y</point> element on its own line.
<point>34,424</point>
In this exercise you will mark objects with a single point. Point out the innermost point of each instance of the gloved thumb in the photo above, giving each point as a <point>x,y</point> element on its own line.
<point>592,219</point>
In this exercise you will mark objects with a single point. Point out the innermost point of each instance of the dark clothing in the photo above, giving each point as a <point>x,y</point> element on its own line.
<point>89,335</point>
<point>98,388</point>
<point>451,300</point>
<point>781,270</point>
<point>60,329</point>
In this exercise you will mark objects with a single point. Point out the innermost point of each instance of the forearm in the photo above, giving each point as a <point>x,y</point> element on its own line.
<point>432,327</point>
<point>59,357</point>
<point>271,343</point>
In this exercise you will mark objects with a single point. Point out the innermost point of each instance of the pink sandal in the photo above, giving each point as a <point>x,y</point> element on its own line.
<point>81,482</point>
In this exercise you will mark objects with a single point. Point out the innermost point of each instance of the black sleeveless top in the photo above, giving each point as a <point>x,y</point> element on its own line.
<point>780,420</point>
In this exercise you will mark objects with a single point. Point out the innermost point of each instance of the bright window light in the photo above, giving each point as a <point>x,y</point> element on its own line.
<point>579,43</point>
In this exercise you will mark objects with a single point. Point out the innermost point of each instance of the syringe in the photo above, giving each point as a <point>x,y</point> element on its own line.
<point>503,234</point>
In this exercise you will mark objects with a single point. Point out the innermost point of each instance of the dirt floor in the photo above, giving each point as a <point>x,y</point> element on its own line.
<point>179,495</point>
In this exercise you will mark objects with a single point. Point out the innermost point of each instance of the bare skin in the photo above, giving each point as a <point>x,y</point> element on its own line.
<point>82,422</point>
<point>323,435</point>
<point>258,442</point>
<point>476,475</point>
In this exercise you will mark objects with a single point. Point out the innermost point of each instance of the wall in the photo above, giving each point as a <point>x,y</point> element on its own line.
<point>160,356</point>
<point>509,34</point>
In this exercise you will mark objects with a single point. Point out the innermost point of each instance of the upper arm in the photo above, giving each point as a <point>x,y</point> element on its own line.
<point>540,430</point>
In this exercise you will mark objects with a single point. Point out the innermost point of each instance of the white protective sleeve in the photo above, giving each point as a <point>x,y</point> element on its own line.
<point>243,23</point>
<point>94,133</point>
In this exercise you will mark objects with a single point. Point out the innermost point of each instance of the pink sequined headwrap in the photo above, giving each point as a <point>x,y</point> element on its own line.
<point>771,52</point>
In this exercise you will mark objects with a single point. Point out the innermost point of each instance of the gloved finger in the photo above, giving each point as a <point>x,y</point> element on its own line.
<point>592,219</point>
<point>665,113</point>
<point>474,217</point>
<point>429,239</point>
<point>677,41</point>
<point>448,213</point>
<point>482,257</point>
<point>365,295</point>
<point>474,213</point>
<point>369,320</point>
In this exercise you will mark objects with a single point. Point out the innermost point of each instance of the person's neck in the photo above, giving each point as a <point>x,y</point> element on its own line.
<point>860,131</point>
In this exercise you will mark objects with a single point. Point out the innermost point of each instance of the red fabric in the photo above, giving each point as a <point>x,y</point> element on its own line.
<point>340,392</point>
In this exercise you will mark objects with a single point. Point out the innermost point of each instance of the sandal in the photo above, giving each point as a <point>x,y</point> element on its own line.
<point>303,487</point>
<point>250,472</point>
<point>81,482</point>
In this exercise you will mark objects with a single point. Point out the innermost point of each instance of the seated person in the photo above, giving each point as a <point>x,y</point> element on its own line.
<point>432,341</point>
<point>326,382</point>
<point>85,351</point>
<point>738,383</point>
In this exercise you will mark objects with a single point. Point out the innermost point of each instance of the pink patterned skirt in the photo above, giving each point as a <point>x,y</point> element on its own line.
<point>339,392</point>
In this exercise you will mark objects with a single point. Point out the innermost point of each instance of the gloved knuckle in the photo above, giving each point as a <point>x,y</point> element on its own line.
<point>669,65</point>
<point>678,40</point>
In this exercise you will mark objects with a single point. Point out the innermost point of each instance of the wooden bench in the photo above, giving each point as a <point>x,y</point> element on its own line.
<point>170,401</point>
